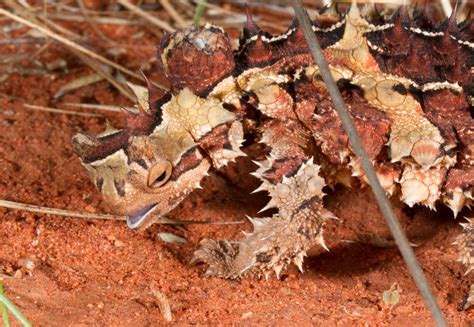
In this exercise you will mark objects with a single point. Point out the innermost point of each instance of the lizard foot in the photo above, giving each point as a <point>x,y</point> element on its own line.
<point>276,241</point>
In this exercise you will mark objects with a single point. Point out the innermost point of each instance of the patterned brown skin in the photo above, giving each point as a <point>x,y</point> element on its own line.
<point>196,58</point>
<point>420,57</point>
<point>316,111</point>
<point>408,96</point>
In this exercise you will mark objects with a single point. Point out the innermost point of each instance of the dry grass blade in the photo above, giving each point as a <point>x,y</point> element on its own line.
<point>97,20</point>
<point>56,212</point>
<point>85,215</point>
<point>102,72</point>
<point>78,83</point>
<point>24,10</point>
<point>68,42</point>
<point>91,22</point>
<point>60,111</point>
<point>103,107</point>
<point>155,21</point>
<point>180,21</point>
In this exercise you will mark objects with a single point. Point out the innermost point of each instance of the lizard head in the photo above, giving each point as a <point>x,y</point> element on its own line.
<point>144,177</point>
<point>148,168</point>
<point>145,170</point>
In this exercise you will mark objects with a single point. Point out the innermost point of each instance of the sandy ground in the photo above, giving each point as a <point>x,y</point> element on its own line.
<point>71,272</point>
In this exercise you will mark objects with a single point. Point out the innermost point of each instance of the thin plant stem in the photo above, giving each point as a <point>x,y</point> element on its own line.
<point>199,12</point>
<point>356,142</point>
<point>3,308</point>
<point>10,306</point>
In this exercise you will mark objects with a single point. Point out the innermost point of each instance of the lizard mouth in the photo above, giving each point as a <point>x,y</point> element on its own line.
<point>137,220</point>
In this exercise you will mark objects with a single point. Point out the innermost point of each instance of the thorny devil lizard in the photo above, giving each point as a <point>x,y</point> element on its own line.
<point>408,84</point>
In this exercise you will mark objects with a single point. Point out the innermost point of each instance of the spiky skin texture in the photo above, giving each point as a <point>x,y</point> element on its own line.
<point>409,98</point>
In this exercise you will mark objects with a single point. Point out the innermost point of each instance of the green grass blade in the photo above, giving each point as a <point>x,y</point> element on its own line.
<point>10,306</point>
<point>3,309</point>
<point>199,11</point>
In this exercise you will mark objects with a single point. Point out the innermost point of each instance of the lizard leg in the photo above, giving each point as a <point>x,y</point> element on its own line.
<point>295,187</point>
<point>278,241</point>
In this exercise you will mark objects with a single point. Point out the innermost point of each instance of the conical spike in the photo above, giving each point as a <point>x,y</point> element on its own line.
<point>400,20</point>
<point>271,204</point>
<point>426,8</point>
<point>298,260</point>
<point>322,242</point>
<point>251,28</point>
<point>330,10</point>
<point>452,22</point>
<point>354,5</point>
<point>267,275</point>
<point>109,129</point>
<point>137,123</point>
<point>155,94</point>
<point>277,269</point>
<point>251,220</point>
<point>426,19</point>
<point>378,14</point>
<point>129,115</point>
<point>404,13</point>
<point>261,188</point>
<point>258,163</point>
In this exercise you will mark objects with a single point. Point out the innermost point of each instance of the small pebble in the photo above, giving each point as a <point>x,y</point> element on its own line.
<point>39,229</point>
<point>29,264</point>
<point>247,315</point>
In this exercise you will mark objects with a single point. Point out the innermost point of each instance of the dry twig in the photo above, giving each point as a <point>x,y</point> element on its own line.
<point>142,13</point>
<point>60,111</point>
<point>56,212</point>
<point>68,42</point>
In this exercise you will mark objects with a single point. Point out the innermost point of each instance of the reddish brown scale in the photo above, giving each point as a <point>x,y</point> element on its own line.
<point>449,111</point>
<point>288,65</point>
<point>91,148</point>
<point>197,58</point>
<point>466,30</point>
<point>188,161</point>
<point>397,40</point>
<point>156,98</point>
<point>256,54</point>
<point>261,53</point>
<point>462,178</point>
<point>286,166</point>
<point>372,125</point>
<point>425,19</point>
<point>141,123</point>
<point>215,140</point>
<point>423,58</point>
<point>296,41</point>
<point>290,144</point>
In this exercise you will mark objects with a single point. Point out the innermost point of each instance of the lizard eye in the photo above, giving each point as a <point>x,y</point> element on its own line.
<point>159,174</point>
